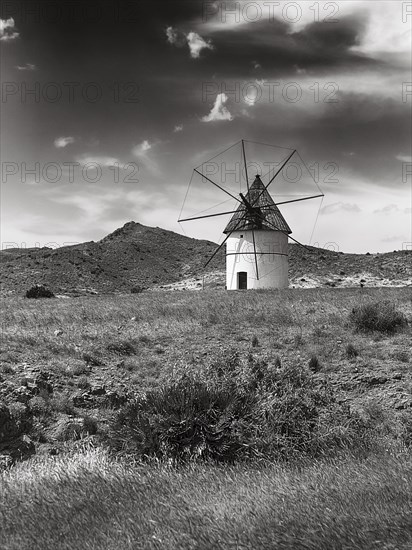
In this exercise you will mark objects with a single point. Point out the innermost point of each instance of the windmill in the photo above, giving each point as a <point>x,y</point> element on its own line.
<point>257,234</point>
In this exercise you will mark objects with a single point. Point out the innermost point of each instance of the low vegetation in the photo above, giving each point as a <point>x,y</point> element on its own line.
<point>207,420</point>
<point>39,291</point>
<point>377,316</point>
<point>235,409</point>
<point>87,501</point>
<point>241,409</point>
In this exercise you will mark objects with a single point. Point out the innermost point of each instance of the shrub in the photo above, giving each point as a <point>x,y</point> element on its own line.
<point>351,351</point>
<point>182,420</point>
<point>73,428</point>
<point>235,409</point>
<point>255,341</point>
<point>123,347</point>
<point>92,360</point>
<point>21,416</point>
<point>62,403</point>
<point>377,316</point>
<point>7,369</point>
<point>314,364</point>
<point>39,291</point>
<point>136,289</point>
<point>38,405</point>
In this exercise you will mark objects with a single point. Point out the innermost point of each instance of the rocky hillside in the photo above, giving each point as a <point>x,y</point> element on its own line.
<point>133,255</point>
<point>136,255</point>
<point>319,267</point>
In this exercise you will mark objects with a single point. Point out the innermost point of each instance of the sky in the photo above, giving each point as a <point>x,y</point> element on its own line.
<point>108,106</point>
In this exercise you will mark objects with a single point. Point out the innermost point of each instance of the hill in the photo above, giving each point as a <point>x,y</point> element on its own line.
<point>152,257</point>
<point>133,255</point>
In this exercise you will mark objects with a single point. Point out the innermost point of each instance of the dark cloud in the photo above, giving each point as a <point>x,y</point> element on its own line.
<point>269,48</point>
<point>331,38</point>
<point>363,134</point>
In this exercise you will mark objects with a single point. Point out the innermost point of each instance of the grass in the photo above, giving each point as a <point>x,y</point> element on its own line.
<point>87,501</point>
<point>141,345</point>
<point>380,316</point>
<point>236,409</point>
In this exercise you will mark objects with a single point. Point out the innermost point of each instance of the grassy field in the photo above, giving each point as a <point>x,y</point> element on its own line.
<point>166,328</point>
<point>87,501</point>
<point>66,360</point>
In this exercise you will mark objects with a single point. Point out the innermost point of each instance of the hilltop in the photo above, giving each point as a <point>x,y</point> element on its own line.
<point>155,258</point>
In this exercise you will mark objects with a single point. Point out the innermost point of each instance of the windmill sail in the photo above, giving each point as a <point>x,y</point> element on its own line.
<point>262,213</point>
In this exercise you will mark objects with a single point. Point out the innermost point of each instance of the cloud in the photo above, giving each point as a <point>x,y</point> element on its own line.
<point>178,128</point>
<point>392,209</point>
<point>92,202</point>
<point>176,37</point>
<point>102,161</point>
<point>141,149</point>
<point>219,111</point>
<point>61,142</point>
<point>340,207</point>
<point>26,67</point>
<point>141,152</point>
<point>388,209</point>
<point>6,30</point>
<point>278,50</point>
<point>172,35</point>
<point>196,44</point>
<point>404,158</point>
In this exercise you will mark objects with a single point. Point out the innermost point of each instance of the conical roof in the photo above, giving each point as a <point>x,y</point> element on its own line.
<point>264,215</point>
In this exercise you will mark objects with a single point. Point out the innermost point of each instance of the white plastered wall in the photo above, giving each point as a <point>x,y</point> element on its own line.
<point>272,259</point>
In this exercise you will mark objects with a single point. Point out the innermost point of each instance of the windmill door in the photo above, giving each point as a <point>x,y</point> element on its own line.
<point>242,280</point>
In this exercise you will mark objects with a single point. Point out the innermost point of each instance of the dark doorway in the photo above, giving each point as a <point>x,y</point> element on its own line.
<point>242,280</point>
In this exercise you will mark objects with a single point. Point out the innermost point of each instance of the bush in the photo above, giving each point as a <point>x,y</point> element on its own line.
<point>38,405</point>
<point>39,291</point>
<point>314,364</point>
<point>377,316</point>
<point>122,348</point>
<point>73,428</point>
<point>255,341</point>
<point>62,403</point>
<point>351,351</point>
<point>136,289</point>
<point>235,409</point>
<point>21,416</point>
<point>92,360</point>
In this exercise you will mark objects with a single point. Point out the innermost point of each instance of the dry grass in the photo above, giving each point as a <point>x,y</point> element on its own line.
<point>86,501</point>
<point>89,501</point>
<point>180,323</point>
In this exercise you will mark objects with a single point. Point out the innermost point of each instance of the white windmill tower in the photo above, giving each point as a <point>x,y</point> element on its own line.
<point>257,234</point>
<point>257,247</point>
